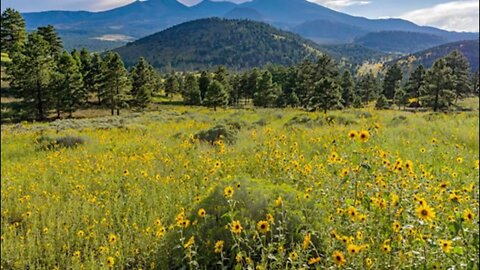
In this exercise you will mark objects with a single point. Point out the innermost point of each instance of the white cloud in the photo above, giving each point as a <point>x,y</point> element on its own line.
<point>460,15</point>
<point>339,4</point>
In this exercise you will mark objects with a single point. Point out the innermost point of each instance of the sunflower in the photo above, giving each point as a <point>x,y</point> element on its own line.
<point>364,135</point>
<point>425,212</point>
<point>293,255</point>
<point>352,134</point>
<point>263,226</point>
<point>80,233</point>
<point>112,238</point>
<point>110,262</point>
<point>396,226</point>
<point>446,245</point>
<point>386,248</point>
<point>228,192</point>
<point>125,172</point>
<point>339,258</point>
<point>219,246</point>
<point>202,213</point>
<point>353,249</point>
<point>368,262</point>
<point>77,254</point>
<point>236,227</point>
<point>468,215</point>
<point>270,218</point>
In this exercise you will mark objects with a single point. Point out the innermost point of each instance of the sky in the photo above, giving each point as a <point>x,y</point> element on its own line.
<point>454,15</point>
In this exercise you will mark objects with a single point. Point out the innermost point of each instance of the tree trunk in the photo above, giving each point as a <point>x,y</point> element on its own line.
<point>112,110</point>
<point>39,101</point>
<point>435,104</point>
<point>118,111</point>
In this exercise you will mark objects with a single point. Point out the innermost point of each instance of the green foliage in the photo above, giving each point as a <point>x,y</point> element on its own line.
<point>12,30</point>
<point>460,67</point>
<point>348,89</point>
<point>191,93</point>
<point>382,103</point>
<point>54,41</point>
<point>143,82</point>
<point>416,83</point>
<point>392,80</point>
<point>217,133</point>
<point>440,88</point>
<point>267,93</point>
<point>115,83</point>
<point>327,95</point>
<point>216,95</point>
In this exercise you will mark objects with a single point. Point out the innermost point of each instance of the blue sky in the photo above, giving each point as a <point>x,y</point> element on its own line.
<point>457,15</point>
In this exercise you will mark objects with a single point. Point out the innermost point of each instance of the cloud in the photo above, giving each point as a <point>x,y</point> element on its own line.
<point>339,4</point>
<point>460,15</point>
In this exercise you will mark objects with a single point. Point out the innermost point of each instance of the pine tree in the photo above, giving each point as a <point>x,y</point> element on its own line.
<point>460,67</point>
<point>348,87</point>
<point>115,84</point>
<point>293,100</point>
<point>439,86</point>
<point>474,82</point>
<point>267,91</point>
<point>69,91</point>
<point>327,95</point>
<point>85,67</point>
<point>172,85</point>
<point>367,87</point>
<point>401,98</point>
<point>93,76</point>
<point>203,83</point>
<point>221,75</point>
<point>142,83</point>
<point>191,95</point>
<point>391,81</point>
<point>50,35</point>
<point>216,95</point>
<point>305,78</point>
<point>12,30</point>
<point>30,74</point>
<point>415,83</point>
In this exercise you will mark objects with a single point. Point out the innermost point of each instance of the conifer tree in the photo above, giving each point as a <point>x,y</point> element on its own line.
<point>382,103</point>
<point>12,30</point>
<point>69,91</point>
<point>143,82</point>
<point>203,83</point>
<point>460,67</point>
<point>367,87</point>
<point>439,86</point>
<point>172,85</point>
<point>50,35</point>
<point>93,76</point>
<point>327,95</point>
<point>30,74</point>
<point>267,91</point>
<point>216,95</point>
<point>191,95</point>
<point>392,81</point>
<point>348,87</point>
<point>416,83</point>
<point>115,84</point>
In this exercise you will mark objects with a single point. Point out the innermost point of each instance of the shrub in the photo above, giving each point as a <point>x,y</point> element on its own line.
<point>50,143</point>
<point>217,133</point>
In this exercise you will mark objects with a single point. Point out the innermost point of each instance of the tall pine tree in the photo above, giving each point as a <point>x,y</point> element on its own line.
<point>348,89</point>
<point>460,67</point>
<point>415,83</point>
<point>216,95</point>
<point>267,91</point>
<point>54,41</point>
<point>143,82</point>
<point>191,94</point>
<point>392,80</point>
<point>439,86</point>
<point>115,84</point>
<point>326,95</point>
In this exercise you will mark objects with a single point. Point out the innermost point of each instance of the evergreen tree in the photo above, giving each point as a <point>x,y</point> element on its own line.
<point>172,85</point>
<point>392,81</point>
<point>92,79</point>
<point>30,74</point>
<point>327,95</point>
<point>50,35</point>
<point>203,83</point>
<point>439,86</point>
<point>115,84</point>
<point>221,75</point>
<point>460,67</point>
<point>85,66</point>
<point>347,89</point>
<point>191,95</point>
<point>293,100</point>
<point>142,83</point>
<point>367,87</point>
<point>251,85</point>
<point>416,83</point>
<point>305,79</point>
<point>69,90</point>
<point>325,67</point>
<point>12,30</point>
<point>267,92</point>
<point>216,95</point>
<point>474,82</point>
<point>401,98</point>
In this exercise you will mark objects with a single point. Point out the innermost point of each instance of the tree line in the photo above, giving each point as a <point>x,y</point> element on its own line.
<point>47,79</point>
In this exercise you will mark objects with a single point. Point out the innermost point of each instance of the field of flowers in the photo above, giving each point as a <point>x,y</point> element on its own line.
<point>189,188</point>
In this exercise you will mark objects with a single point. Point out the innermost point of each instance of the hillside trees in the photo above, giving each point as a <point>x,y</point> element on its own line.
<point>191,93</point>
<point>439,86</point>
<point>460,67</point>
<point>216,95</point>
<point>327,94</point>
<point>415,83</point>
<point>143,83</point>
<point>392,80</point>
<point>267,93</point>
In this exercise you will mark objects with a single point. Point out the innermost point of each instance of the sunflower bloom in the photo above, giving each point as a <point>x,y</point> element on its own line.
<point>263,226</point>
<point>425,212</point>
<point>236,227</point>
<point>339,258</point>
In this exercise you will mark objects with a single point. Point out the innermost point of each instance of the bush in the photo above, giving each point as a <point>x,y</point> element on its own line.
<point>217,133</point>
<point>50,143</point>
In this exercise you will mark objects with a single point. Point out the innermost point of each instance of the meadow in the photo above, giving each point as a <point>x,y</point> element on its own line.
<point>190,188</point>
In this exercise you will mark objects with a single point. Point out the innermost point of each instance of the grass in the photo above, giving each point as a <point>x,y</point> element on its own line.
<point>303,192</point>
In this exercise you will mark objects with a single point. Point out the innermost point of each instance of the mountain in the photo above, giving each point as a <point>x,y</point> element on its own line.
<point>308,19</point>
<point>354,54</point>
<point>469,48</point>
<point>205,43</point>
<point>399,41</point>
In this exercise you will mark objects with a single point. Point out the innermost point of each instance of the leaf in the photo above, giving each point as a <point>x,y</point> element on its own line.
<point>458,250</point>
